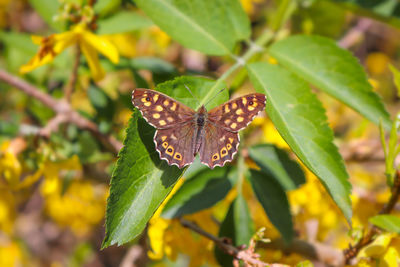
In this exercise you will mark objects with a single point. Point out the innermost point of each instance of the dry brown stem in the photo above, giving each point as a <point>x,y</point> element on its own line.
<point>64,111</point>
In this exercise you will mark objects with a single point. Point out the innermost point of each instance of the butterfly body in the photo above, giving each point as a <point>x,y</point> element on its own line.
<point>182,133</point>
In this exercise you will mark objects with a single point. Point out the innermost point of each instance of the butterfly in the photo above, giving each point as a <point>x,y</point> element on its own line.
<point>182,133</point>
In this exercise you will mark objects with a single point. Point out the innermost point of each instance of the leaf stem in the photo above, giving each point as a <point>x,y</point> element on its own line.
<point>264,38</point>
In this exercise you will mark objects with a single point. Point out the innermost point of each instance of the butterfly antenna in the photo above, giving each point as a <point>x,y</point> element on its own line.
<point>211,99</point>
<point>198,102</point>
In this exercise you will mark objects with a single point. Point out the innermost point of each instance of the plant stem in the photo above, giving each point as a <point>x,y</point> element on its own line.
<point>264,38</point>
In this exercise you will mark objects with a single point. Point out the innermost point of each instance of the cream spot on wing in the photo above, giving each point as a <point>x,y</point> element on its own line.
<point>227,108</point>
<point>234,105</point>
<point>155,98</point>
<point>240,119</point>
<point>233,125</point>
<point>215,157</point>
<point>223,152</point>
<point>170,119</point>
<point>162,122</point>
<point>239,111</point>
<point>173,137</point>
<point>173,106</point>
<point>222,138</point>
<point>227,121</point>
<point>163,138</point>
<point>147,104</point>
<point>229,146</point>
<point>231,140</point>
<point>170,150</point>
<point>251,108</point>
<point>159,108</point>
<point>143,99</point>
<point>178,156</point>
<point>244,100</point>
<point>156,116</point>
<point>165,145</point>
<point>166,102</point>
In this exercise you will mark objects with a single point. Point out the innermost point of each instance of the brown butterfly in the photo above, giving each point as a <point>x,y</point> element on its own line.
<point>182,133</point>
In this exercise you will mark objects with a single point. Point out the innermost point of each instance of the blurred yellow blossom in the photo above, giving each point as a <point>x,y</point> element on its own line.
<point>7,211</point>
<point>161,38</point>
<point>157,227</point>
<point>89,43</point>
<point>80,208</point>
<point>10,167</point>
<point>377,63</point>
<point>248,5</point>
<point>124,42</point>
<point>10,254</point>
<point>382,251</point>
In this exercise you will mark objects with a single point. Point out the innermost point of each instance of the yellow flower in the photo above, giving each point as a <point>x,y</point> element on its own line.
<point>378,247</point>
<point>157,228</point>
<point>89,43</point>
<point>10,167</point>
<point>124,42</point>
<point>10,254</point>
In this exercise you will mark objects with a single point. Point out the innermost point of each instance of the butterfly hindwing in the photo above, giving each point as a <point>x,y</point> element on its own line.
<point>175,145</point>
<point>159,110</point>
<point>236,114</point>
<point>218,145</point>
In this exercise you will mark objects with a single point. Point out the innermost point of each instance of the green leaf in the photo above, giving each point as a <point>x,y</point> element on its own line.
<point>125,21</point>
<point>320,61</point>
<point>47,9</point>
<point>300,119</point>
<point>389,223</point>
<point>276,163</point>
<point>141,181</point>
<point>384,10</point>
<point>396,77</point>
<point>238,226</point>
<point>200,192</point>
<point>274,201</point>
<point>106,7</point>
<point>210,26</point>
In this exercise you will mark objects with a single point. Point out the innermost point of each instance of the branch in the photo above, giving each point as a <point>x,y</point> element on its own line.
<point>355,34</point>
<point>227,248</point>
<point>352,251</point>
<point>64,111</point>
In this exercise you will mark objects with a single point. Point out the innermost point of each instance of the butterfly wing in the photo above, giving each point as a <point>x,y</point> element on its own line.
<point>220,141</point>
<point>176,145</point>
<point>218,145</point>
<point>236,114</point>
<point>159,110</point>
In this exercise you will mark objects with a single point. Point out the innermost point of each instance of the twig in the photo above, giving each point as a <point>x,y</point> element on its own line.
<point>53,124</point>
<point>229,249</point>
<point>356,33</point>
<point>69,88</point>
<point>352,251</point>
<point>63,109</point>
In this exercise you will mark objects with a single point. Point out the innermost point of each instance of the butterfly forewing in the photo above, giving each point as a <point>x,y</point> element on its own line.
<point>236,114</point>
<point>160,110</point>
<point>175,145</point>
<point>218,145</point>
<point>182,132</point>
